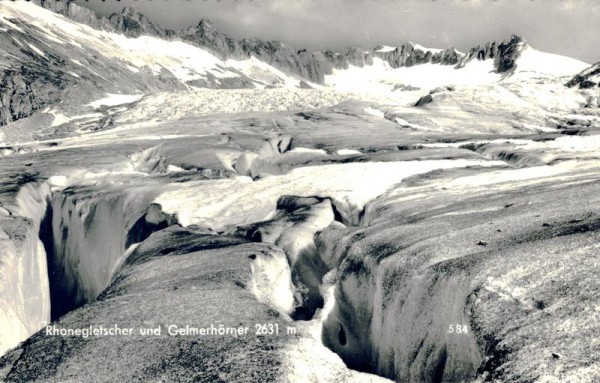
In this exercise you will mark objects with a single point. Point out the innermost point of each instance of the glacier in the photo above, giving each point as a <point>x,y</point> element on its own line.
<point>397,214</point>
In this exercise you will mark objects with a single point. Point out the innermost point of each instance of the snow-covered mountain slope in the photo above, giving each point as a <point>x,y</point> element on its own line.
<point>381,79</point>
<point>542,63</point>
<point>530,65</point>
<point>46,57</point>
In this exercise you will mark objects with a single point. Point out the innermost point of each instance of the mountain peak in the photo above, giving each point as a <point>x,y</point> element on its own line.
<point>133,23</point>
<point>516,39</point>
<point>129,11</point>
<point>508,53</point>
<point>504,54</point>
<point>206,24</point>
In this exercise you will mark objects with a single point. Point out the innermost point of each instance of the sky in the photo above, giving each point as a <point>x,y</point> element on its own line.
<point>566,27</point>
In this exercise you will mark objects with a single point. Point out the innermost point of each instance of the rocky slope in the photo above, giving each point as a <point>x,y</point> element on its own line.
<point>588,78</point>
<point>408,55</point>
<point>28,88</point>
<point>75,12</point>
<point>46,58</point>
<point>504,54</point>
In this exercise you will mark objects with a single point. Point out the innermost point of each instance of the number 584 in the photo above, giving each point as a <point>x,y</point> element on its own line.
<point>458,329</point>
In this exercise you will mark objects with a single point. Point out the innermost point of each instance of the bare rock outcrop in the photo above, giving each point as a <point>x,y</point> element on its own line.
<point>505,54</point>
<point>589,78</point>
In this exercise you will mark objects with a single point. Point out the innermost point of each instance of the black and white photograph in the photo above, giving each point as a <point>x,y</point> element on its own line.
<point>302,191</point>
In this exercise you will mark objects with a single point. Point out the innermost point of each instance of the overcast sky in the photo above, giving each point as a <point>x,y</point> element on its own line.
<point>568,27</point>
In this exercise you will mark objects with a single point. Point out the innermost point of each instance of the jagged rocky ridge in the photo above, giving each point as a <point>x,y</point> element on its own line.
<point>33,81</point>
<point>309,65</point>
<point>312,65</point>
<point>76,13</point>
<point>504,54</point>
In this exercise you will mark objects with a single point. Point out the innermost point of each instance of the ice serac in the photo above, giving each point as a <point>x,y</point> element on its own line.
<point>24,291</point>
<point>86,234</point>
<point>458,284</point>
<point>293,228</point>
<point>177,277</point>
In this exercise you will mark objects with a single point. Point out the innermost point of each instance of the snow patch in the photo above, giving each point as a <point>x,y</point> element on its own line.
<point>115,99</point>
<point>308,150</point>
<point>10,24</point>
<point>424,49</point>
<point>60,118</point>
<point>174,169</point>
<point>405,124</point>
<point>262,72</point>
<point>374,112</point>
<point>378,80</point>
<point>536,62</point>
<point>36,50</point>
<point>345,152</point>
<point>385,48</point>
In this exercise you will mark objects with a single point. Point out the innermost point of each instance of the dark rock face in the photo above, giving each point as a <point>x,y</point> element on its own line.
<point>428,98</point>
<point>588,78</point>
<point>508,53</point>
<point>205,34</point>
<point>424,100</point>
<point>283,57</point>
<point>75,12</point>
<point>407,55</point>
<point>134,24</point>
<point>504,54</point>
<point>27,89</point>
<point>489,51</point>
